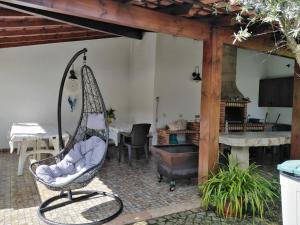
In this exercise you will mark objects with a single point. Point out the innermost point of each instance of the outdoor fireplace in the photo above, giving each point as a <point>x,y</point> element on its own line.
<point>234,114</point>
<point>233,103</point>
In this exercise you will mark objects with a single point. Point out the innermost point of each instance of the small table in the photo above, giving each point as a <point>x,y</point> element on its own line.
<point>39,137</point>
<point>115,130</point>
<point>241,141</point>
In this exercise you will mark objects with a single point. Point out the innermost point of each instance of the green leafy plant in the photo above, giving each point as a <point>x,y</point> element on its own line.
<point>236,192</point>
<point>282,15</point>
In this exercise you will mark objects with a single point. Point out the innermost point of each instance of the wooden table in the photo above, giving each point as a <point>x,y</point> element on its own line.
<point>241,141</point>
<point>41,138</point>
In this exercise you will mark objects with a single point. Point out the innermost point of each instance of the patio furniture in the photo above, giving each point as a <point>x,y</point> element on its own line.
<point>240,142</point>
<point>191,134</point>
<point>33,139</point>
<point>176,162</point>
<point>115,130</point>
<point>82,157</point>
<point>136,139</point>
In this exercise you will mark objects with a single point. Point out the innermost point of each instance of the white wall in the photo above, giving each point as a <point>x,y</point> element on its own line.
<point>251,67</point>
<point>179,95</point>
<point>131,73</point>
<point>141,79</point>
<point>30,78</point>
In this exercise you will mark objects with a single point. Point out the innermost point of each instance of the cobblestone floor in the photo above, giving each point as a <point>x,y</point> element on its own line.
<point>200,217</point>
<point>142,195</point>
<point>137,186</point>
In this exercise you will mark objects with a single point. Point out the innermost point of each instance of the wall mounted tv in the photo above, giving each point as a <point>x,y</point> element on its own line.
<point>276,92</point>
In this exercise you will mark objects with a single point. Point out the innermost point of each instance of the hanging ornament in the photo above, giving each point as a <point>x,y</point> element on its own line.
<point>72,88</point>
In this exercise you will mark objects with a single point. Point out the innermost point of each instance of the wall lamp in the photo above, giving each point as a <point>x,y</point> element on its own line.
<point>196,76</point>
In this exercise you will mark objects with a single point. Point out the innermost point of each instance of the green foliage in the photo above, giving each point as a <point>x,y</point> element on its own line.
<point>111,113</point>
<point>283,15</point>
<point>239,191</point>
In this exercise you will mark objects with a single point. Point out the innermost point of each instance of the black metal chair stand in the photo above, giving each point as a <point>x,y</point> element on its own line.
<point>91,103</point>
<point>47,205</point>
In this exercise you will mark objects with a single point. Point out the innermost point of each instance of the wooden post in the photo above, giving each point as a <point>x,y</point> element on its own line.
<point>210,104</point>
<point>295,142</point>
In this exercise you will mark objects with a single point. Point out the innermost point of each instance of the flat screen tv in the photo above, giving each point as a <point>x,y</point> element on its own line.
<point>276,92</point>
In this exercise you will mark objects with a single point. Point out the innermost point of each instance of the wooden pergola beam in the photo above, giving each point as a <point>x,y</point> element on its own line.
<point>127,15</point>
<point>210,104</point>
<point>295,138</point>
<point>23,31</point>
<point>49,41</point>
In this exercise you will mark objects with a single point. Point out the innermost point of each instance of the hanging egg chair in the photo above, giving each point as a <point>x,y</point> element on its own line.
<point>82,156</point>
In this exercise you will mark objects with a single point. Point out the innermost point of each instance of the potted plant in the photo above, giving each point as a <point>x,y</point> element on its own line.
<point>111,115</point>
<point>235,192</point>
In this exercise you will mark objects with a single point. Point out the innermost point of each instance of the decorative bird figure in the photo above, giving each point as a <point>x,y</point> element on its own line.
<point>72,102</point>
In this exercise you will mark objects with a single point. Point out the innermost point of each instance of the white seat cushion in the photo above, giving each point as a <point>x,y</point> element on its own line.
<point>82,157</point>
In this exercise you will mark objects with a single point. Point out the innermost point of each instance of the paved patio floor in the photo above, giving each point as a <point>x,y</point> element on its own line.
<point>143,197</point>
<point>201,217</point>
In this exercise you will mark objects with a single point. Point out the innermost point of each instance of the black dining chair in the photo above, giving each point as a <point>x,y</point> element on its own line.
<point>136,139</point>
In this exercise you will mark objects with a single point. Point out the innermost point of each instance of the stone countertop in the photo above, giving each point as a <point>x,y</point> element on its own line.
<point>247,139</point>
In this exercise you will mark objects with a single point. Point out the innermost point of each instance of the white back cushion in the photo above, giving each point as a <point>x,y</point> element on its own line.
<point>96,121</point>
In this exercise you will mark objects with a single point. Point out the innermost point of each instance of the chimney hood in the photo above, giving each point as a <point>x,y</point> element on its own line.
<point>230,91</point>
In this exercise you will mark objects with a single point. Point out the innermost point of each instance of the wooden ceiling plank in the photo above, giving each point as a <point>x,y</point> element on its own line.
<point>176,9</point>
<point>9,12</point>
<point>121,14</point>
<point>26,22</point>
<point>27,38</point>
<point>86,23</point>
<point>38,30</point>
<point>210,1</point>
<point>49,41</point>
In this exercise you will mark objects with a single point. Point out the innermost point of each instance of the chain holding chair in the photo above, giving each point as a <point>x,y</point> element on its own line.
<point>92,105</point>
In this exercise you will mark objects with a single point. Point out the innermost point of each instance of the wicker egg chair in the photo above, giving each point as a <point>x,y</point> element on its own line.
<point>92,103</point>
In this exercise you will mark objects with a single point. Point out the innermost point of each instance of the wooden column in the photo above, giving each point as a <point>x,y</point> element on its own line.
<point>295,142</point>
<point>210,104</point>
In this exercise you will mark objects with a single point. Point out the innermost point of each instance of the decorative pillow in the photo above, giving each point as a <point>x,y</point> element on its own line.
<point>96,121</point>
<point>178,125</point>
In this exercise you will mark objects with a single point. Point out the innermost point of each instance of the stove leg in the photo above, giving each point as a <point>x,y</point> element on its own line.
<point>172,185</point>
<point>159,178</point>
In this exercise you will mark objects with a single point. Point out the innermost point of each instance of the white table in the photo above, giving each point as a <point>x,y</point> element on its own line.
<point>116,128</point>
<point>41,138</point>
<point>240,143</point>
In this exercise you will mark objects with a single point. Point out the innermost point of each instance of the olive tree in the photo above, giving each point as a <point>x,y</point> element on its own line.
<point>282,15</point>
